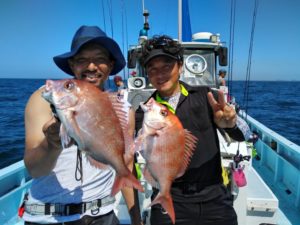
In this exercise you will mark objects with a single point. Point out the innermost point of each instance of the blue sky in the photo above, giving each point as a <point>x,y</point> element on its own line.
<point>33,31</point>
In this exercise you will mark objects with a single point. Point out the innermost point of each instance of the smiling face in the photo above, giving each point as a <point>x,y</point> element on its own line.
<point>163,73</point>
<point>92,63</point>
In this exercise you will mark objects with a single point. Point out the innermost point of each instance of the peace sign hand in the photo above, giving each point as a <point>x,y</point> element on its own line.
<point>224,114</point>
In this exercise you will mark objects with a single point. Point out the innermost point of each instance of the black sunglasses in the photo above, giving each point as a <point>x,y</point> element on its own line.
<point>167,44</point>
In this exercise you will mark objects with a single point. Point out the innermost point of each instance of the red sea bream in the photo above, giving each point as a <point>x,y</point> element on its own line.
<point>167,148</point>
<point>89,117</point>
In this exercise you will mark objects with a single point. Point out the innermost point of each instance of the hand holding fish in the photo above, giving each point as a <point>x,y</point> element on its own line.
<point>224,114</point>
<point>51,131</point>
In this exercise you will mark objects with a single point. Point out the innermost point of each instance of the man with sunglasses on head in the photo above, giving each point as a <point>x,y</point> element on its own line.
<point>199,196</point>
<point>66,188</point>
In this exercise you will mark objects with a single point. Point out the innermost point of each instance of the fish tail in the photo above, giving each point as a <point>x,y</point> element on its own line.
<point>128,181</point>
<point>167,203</point>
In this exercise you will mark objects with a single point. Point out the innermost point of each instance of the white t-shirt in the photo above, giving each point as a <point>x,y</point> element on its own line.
<point>60,186</point>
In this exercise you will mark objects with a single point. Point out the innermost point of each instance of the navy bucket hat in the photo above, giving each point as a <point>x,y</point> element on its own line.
<point>87,34</point>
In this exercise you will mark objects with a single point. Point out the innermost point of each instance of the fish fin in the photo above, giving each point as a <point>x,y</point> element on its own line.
<point>190,145</point>
<point>160,132</point>
<point>122,109</point>
<point>150,179</point>
<point>167,203</point>
<point>64,137</point>
<point>97,164</point>
<point>128,181</point>
<point>139,141</point>
<point>71,115</point>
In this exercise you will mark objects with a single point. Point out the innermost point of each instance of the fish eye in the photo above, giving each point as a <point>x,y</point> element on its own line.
<point>164,112</point>
<point>69,85</point>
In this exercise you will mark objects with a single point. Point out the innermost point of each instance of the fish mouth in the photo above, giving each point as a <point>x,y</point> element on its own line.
<point>47,91</point>
<point>144,107</point>
<point>46,95</point>
<point>148,105</point>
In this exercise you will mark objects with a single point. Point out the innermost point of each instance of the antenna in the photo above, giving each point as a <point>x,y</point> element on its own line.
<point>146,15</point>
<point>146,24</point>
<point>144,32</point>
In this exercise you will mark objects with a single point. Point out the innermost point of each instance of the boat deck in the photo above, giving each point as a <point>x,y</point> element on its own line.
<point>278,164</point>
<point>285,196</point>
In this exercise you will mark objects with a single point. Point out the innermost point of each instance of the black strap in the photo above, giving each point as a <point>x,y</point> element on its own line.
<point>47,209</point>
<point>71,209</point>
<point>78,170</point>
<point>57,209</point>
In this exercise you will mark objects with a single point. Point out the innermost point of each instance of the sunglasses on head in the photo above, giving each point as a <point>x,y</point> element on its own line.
<point>167,44</point>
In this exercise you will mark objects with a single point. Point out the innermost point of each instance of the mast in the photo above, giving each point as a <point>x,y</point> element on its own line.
<point>179,20</point>
<point>184,23</point>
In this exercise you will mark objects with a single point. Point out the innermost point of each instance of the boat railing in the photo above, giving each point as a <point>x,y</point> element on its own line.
<point>279,156</point>
<point>15,182</point>
<point>282,146</point>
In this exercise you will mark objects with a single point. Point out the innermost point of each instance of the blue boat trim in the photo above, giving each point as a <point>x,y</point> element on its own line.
<point>15,182</point>
<point>278,164</point>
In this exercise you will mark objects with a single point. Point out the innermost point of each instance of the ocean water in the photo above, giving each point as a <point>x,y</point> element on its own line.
<point>14,94</point>
<point>275,104</point>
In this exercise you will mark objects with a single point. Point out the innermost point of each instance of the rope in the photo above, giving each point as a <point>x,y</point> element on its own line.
<point>248,73</point>
<point>123,47</point>
<point>103,13</point>
<point>126,31</point>
<point>110,17</point>
<point>231,45</point>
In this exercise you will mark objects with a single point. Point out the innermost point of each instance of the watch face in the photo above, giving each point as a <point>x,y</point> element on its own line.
<point>196,63</point>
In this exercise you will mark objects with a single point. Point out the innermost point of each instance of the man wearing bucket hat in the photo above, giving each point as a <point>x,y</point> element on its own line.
<point>199,196</point>
<point>66,189</point>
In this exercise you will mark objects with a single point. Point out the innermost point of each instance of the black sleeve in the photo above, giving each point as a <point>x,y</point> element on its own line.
<point>235,133</point>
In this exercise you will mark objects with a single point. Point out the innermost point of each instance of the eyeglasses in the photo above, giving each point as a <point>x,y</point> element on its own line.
<point>84,62</point>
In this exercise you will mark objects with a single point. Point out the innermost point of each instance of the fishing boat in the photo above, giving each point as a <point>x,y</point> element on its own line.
<point>271,163</point>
